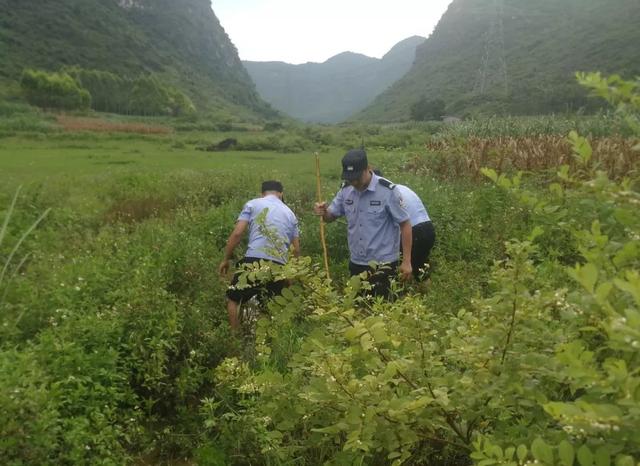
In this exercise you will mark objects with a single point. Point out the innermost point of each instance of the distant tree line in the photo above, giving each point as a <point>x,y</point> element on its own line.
<point>75,88</point>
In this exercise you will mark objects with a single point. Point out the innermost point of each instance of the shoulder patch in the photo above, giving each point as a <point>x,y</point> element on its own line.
<point>386,183</point>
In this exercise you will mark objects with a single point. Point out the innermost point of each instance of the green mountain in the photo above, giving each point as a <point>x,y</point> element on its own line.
<point>516,57</point>
<point>180,41</point>
<point>332,91</point>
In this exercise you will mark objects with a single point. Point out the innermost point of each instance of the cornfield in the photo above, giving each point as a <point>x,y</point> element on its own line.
<point>455,158</point>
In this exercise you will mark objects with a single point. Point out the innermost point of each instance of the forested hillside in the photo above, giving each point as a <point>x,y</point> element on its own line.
<point>332,91</point>
<point>516,57</point>
<point>182,42</point>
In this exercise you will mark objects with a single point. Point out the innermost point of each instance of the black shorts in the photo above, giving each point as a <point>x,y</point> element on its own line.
<point>379,279</point>
<point>424,237</point>
<point>264,290</point>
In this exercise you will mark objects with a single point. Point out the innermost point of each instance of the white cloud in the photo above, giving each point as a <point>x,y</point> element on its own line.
<point>301,31</point>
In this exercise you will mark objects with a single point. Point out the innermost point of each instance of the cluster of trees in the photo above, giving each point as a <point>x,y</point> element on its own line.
<point>77,88</point>
<point>54,90</point>
<point>427,109</point>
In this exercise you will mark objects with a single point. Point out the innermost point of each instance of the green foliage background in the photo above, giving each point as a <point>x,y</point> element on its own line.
<point>544,43</point>
<point>181,42</point>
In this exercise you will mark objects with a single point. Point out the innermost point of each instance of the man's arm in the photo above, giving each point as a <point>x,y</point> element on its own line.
<point>406,236</point>
<point>234,239</point>
<point>296,246</point>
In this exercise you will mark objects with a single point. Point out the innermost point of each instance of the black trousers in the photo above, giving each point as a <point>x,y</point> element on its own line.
<point>264,291</point>
<point>424,237</point>
<point>380,279</point>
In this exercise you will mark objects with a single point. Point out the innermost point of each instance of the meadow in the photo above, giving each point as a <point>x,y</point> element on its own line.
<point>115,347</point>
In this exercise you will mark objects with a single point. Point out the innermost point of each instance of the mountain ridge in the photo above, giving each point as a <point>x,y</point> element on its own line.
<point>181,42</point>
<point>331,91</point>
<point>515,57</point>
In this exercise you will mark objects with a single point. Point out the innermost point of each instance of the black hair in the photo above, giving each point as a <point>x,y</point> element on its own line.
<point>272,185</point>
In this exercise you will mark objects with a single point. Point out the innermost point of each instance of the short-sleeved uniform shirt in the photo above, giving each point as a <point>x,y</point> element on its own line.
<point>417,211</point>
<point>373,219</point>
<point>280,221</point>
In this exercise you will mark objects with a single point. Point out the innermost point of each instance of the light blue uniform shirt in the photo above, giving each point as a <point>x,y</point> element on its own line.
<point>280,220</point>
<point>417,211</point>
<point>373,218</point>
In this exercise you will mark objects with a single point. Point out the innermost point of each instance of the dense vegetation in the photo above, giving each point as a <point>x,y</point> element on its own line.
<point>182,43</point>
<point>332,91</point>
<point>54,91</point>
<point>518,57</point>
<point>78,89</point>
<point>114,347</point>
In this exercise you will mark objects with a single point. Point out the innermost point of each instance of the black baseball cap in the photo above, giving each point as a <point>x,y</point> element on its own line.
<point>354,163</point>
<point>272,185</point>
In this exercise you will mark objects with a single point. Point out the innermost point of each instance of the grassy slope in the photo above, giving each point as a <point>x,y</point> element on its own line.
<point>545,43</point>
<point>182,41</point>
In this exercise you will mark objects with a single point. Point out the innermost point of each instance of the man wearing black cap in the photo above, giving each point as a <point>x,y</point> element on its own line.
<point>377,222</point>
<point>273,227</point>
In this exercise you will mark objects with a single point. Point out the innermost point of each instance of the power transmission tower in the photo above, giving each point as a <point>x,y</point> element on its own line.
<point>493,68</point>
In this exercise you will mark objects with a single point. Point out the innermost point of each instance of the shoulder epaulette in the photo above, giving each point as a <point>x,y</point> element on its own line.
<point>386,183</point>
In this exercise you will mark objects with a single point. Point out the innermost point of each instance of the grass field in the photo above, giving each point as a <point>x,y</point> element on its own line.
<point>28,159</point>
<point>115,347</point>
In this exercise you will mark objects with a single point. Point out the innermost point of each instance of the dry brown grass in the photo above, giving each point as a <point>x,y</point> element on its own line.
<point>75,124</point>
<point>464,158</point>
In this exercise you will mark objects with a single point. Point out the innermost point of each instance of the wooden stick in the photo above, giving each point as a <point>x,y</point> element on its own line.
<point>322,235</point>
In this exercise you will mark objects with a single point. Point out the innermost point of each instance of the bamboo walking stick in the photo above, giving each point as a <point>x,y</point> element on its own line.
<point>322,235</point>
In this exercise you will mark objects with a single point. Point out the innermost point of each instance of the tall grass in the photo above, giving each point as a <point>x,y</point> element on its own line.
<point>6,280</point>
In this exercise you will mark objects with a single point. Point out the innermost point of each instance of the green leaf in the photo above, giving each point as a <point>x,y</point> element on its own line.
<point>391,370</point>
<point>366,342</point>
<point>603,457</point>
<point>541,451</point>
<point>379,333</point>
<point>566,453</point>
<point>537,231</point>
<point>627,255</point>
<point>509,452</point>
<point>581,148</point>
<point>585,457</point>
<point>586,275</point>
<point>625,461</point>
<point>487,462</point>
<point>631,285</point>
<point>504,182</point>
<point>522,453</point>
<point>496,452</point>
<point>563,173</point>
<point>602,292</point>
<point>490,173</point>
<point>353,333</point>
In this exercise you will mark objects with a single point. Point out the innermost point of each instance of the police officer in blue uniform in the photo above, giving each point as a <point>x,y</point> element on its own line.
<point>377,222</point>
<point>423,232</point>
<point>269,240</point>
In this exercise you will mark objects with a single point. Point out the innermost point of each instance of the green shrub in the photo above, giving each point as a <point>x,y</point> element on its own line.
<point>54,90</point>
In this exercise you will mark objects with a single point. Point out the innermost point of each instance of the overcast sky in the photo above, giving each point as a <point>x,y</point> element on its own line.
<point>298,31</point>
